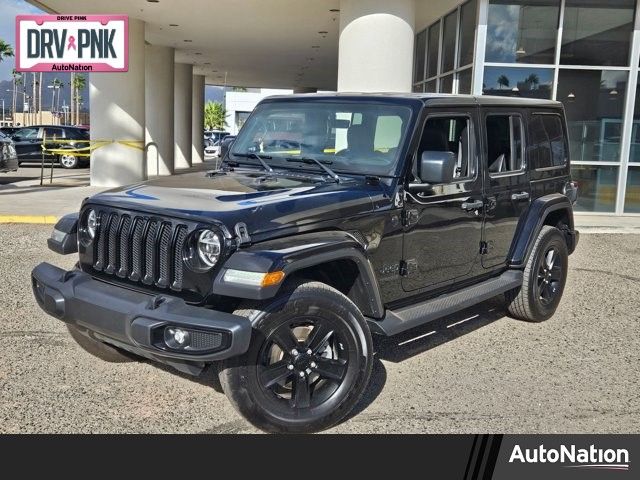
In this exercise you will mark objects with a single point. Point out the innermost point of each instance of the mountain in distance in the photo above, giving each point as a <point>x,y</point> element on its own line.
<point>6,87</point>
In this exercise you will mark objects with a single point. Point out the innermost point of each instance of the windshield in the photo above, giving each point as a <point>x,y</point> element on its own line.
<point>349,137</point>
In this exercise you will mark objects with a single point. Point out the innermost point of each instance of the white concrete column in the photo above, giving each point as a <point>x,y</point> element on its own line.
<point>159,109</point>
<point>197,120</point>
<point>117,113</point>
<point>183,78</point>
<point>375,50</point>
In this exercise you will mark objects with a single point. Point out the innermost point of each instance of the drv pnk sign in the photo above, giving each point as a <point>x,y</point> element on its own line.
<point>72,43</point>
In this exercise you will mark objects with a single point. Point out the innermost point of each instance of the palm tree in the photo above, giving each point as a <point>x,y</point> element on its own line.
<point>532,80</point>
<point>79,82</point>
<point>6,50</point>
<point>40,99</point>
<point>503,81</point>
<point>17,80</point>
<point>72,92</point>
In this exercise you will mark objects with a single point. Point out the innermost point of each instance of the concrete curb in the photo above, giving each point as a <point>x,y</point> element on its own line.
<point>33,219</point>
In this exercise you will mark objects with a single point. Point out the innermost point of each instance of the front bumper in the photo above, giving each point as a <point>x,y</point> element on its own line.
<point>136,321</point>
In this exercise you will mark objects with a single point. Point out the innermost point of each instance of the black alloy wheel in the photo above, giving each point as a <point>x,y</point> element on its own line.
<point>308,364</point>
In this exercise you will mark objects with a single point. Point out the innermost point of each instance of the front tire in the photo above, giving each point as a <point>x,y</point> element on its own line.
<point>308,364</point>
<point>544,278</point>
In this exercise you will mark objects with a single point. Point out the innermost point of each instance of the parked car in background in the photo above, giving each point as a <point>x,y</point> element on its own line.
<point>9,131</point>
<point>225,145</point>
<point>213,136</point>
<point>29,140</point>
<point>8,156</point>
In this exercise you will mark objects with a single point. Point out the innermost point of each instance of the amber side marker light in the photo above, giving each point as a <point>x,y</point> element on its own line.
<point>272,278</point>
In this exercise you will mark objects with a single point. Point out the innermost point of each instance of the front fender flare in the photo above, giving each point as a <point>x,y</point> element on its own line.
<point>290,254</point>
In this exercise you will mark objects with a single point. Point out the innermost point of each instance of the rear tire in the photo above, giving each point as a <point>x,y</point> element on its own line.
<point>100,349</point>
<point>544,278</point>
<point>308,363</point>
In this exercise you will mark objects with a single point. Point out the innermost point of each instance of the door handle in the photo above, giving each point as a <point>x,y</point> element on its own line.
<point>520,196</point>
<point>470,206</point>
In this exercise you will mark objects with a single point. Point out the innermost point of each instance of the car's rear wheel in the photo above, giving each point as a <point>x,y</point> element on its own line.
<point>68,161</point>
<point>545,275</point>
<point>308,364</point>
<point>99,349</point>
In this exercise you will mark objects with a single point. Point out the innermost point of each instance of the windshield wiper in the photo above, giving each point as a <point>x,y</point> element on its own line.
<point>320,163</point>
<point>260,158</point>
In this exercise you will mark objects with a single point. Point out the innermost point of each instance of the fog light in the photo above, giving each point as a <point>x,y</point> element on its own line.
<point>176,337</point>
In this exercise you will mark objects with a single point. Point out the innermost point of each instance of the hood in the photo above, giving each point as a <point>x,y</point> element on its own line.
<point>263,202</point>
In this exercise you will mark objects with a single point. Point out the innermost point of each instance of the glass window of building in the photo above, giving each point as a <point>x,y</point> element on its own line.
<point>632,195</point>
<point>594,105</point>
<point>431,86</point>
<point>467,32</point>
<point>597,32</point>
<point>522,31</point>
<point>449,41</point>
<point>446,84</point>
<point>598,187</point>
<point>421,51</point>
<point>433,46</point>
<point>518,82</point>
<point>464,80</point>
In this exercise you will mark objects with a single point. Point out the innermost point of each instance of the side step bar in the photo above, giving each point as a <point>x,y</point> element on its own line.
<point>406,318</point>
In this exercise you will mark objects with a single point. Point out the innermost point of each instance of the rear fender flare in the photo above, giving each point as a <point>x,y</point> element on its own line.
<point>532,222</point>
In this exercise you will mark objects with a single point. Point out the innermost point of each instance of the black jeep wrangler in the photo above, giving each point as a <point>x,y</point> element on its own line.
<point>331,218</point>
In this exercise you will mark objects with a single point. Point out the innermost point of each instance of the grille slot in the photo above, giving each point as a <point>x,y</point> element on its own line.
<point>139,248</point>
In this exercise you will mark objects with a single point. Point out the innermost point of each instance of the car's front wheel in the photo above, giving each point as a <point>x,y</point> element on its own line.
<point>68,161</point>
<point>308,364</point>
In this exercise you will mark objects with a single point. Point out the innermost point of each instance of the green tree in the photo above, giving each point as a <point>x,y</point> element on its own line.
<point>503,81</point>
<point>6,50</point>
<point>533,80</point>
<point>78,82</point>
<point>214,116</point>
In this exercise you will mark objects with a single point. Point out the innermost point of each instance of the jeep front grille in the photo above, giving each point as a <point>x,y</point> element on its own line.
<point>140,249</point>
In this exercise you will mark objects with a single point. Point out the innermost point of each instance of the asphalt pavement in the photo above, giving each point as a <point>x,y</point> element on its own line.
<point>479,371</point>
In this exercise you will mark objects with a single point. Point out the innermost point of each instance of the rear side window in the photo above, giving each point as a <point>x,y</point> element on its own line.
<point>548,146</point>
<point>504,144</point>
<point>53,133</point>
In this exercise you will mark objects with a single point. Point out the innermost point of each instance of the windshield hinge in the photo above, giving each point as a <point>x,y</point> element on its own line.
<point>410,217</point>
<point>242,232</point>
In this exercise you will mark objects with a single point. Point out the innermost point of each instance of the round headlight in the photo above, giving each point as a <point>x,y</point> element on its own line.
<point>209,247</point>
<point>92,224</point>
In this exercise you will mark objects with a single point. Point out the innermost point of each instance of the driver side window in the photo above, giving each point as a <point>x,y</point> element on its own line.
<point>449,134</point>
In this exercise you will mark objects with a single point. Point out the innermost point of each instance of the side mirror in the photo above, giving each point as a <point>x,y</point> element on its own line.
<point>437,167</point>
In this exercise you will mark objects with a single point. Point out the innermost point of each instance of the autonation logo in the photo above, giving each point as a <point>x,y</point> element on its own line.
<point>574,457</point>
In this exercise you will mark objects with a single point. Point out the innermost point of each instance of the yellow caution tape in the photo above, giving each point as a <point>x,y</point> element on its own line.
<point>86,151</point>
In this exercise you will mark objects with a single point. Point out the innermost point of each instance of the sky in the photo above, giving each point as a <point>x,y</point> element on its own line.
<point>8,11</point>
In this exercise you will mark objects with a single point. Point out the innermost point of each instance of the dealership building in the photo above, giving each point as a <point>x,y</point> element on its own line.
<point>585,53</point>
